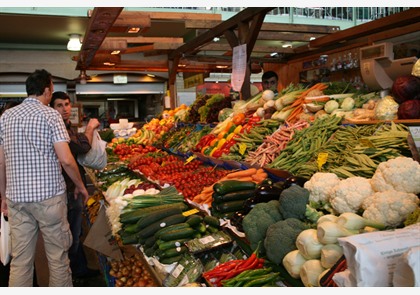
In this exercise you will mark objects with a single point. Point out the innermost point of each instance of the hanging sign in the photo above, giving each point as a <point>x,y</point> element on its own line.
<point>238,67</point>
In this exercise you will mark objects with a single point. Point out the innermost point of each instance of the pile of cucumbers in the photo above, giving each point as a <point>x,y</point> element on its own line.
<point>229,196</point>
<point>162,230</point>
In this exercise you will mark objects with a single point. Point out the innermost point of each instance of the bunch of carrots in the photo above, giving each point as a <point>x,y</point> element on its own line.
<point>297,105</point>
<point>250,174</point>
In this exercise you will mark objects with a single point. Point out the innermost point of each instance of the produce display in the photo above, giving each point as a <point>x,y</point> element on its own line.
<point>284,189</point>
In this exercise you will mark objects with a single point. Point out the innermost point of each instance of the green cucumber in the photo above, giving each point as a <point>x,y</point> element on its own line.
<point>173,252</point>
<point>234,196</point>
<point>211,220</point>
<point>227,186</point>
<point>230,206</point>
<point>201,227</point>
<point>171,260</point>
<point>154,227</point>
<point>134,215</point>
<point>155,216</point>
<point>165,245</point>
<point>162,231</point>
<point>194,220</point>
<point>178,234</point>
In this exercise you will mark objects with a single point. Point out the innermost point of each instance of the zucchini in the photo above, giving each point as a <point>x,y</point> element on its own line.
<point>129,240</point>
<point>234,196</point>
<point>230,206</point>
<point>134,215</point>
<point>171,260</point>
<point>129,229</point>
<point>194,220</point>
<point>227,186</point>
<point>155,216</point>
<point>173,252</point>
<point>154,227</point>
<point>178,234</point>
<point>150,241</point>
<point>201,227</point>
<point>211,220</point>
<point>171,227</point>
<point>165,245</point>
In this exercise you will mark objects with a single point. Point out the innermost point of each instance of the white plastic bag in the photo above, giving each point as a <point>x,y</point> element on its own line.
<point>5,241</point>
<point>96,158</point>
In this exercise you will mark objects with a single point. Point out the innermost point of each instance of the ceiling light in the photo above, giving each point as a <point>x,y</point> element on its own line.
<point>287,44</point>
<point>115,52</point>
<point>133,30</point>
<point>312,38</point>
<point>221,67</point>
<point>74,43</point>
<point>216,39</point>
<point>151,75</point>
<point>274,54</point>
<point>107,63</point>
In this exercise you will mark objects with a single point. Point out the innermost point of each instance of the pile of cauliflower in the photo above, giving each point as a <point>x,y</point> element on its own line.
<point>356,205</point>
<point>388,197</point>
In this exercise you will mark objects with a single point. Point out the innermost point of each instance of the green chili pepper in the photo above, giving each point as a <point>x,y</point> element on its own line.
<point>262,280</point>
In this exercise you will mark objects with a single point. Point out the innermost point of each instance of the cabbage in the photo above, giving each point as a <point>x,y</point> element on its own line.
<point>409,109</point>
<point>406,88</point>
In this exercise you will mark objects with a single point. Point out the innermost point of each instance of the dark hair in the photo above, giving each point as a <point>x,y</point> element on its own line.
<point>9,105</point>
<point>58,95</point>
<point>268,75</point>
<point>37,82</point>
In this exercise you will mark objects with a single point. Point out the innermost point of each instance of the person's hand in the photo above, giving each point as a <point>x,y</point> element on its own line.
<point>4,207</point>
<point>81,193</point>
<point>93,124</point>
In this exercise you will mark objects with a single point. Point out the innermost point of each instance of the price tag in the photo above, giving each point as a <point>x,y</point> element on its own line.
<point>321,160</point>
<point>242,148</point>
<point>190,159</point>
<point>190,212</point>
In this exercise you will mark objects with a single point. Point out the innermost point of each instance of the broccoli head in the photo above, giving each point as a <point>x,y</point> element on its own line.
<point>256,222</point>
<point>293,202</point>
<point>281,237</point>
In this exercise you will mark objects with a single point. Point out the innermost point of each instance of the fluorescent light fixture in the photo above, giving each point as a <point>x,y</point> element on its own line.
<point>287,44</point>
<point>221,67</point>
<point>312,38</point>
<point>151,75</point>
<point>115,52</point>
<point>74,43</point>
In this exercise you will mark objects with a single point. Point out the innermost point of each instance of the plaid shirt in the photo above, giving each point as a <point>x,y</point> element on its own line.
<point>27,133</point>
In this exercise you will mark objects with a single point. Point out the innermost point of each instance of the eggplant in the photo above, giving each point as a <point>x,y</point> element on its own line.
<point>295,180</point>
<point>267,193</point>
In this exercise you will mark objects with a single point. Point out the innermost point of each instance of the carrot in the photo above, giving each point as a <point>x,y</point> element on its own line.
<point>242,173</point>
<point>258,178</point>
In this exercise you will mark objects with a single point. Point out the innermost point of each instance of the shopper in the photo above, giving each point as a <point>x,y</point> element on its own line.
<point>269,81</point>
<point>80,143</point>
<point>33,149</point>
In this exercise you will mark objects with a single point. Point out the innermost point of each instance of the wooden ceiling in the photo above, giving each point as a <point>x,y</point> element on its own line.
<point>184,42</point>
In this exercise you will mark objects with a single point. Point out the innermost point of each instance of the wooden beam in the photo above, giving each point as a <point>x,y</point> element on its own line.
<point>406,17</point>
<point>270,27</point>
<point>244,15</point>
<point>139,40</point>
<point>100,22</point>
<point>171,15</point>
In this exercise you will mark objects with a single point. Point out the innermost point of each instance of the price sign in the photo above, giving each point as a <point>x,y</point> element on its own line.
<point>322,159</point>
<point>242,148</point>
<point>190,212</point>
<point>190,159</point>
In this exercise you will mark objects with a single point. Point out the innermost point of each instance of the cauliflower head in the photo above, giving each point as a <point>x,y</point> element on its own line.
<point>401,174</point>
<point>320,186</point>
<point>349,194</point>
<point>390,207</point>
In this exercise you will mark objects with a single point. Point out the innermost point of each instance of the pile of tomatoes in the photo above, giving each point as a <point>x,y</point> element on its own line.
<point>188,178</point>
